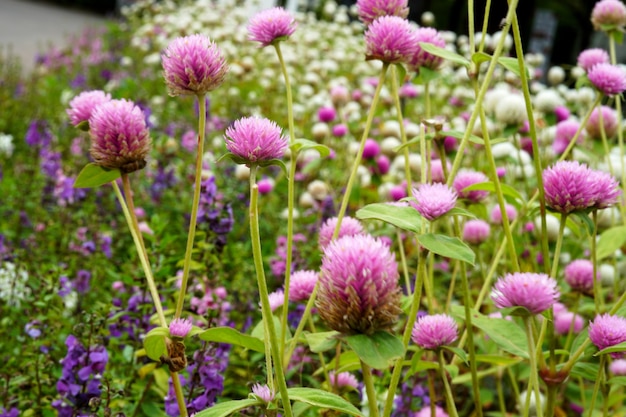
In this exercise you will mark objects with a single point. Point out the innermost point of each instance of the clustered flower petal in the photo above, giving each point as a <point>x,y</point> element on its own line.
<point>263,393</point>
<point>609,79</point>
<point>254,139</point>
<point>434,331</point>
<point>119,136</point>
<point>433,200</point>
<point>579,275</point>
<point>343,380</point>
<point>607,330</point>
<point>271,25</point>
<point>464,179</point>
<point>609,122</point>
<point>421,58</point>
<point>349,227</point>
<point>390,39</point>
<point>358,286</point>
<point>301,285</point>
<point>83,105</point>
<point>193,65</point>
<point>588,58</point>
<point>370,10</point>
<point>608,14</point>
<point>534,292</point>
<point>180,327</point>
<point>476,231</point>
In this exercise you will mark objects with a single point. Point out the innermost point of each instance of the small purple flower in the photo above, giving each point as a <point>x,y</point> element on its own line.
<point>390,39</point>
<point>567,320</point>
<point>433,331</point>
<point>464,179</point>
<point>326,114</point>
<point>349,227</point>
<point>83,105</point>
<point>193,65</point>
<point>370,10</point>
<point>532,291</point>
<point>609,123</point>
<point>371,149</point>
<point>266,185</point>
<point>476,231</point>
<point>606,331</point>
<point>609,79</point>
<point>608,15</point>
<point>579,275</point>
<point>253,140</point>
<point>263,393</point>
<point>421,58</point>
<point>433,200</point>
<point>180,327</point>
<point>301,285</point>
<point>343,380</point>
<point>340,130</point>
<point>588,58</point>
<point>271,25</point>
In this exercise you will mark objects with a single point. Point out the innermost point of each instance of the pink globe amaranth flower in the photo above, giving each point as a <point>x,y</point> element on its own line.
<point>434,331</point>
<point>263,393</point>
<point>534,292</point>
<point>180,327</point>
<point>592,56</point>
<point>565,132</point>
<point>193,65</point>
<point>119,136</point>
<point>277,299</point>
<point>82,106</point>
<point>271,25</point>
<point>371,149</point>
<point>383,164</point>
<point>464,179</point>
<point>496,213</point>
<point>476,231</point>
<point>340,130</point>
<point>436,170</point>
<point>358,286</point>
<point>301,285</point>
<point>254,140</point>
<point>608,15</point>
<point>433,200</point>
<point>618,367</point>
<point>421,58</point>
<point>266,185</point>
<point>579,275</point>
<point>606,331</point>
<point>343,380</point>
<point>607,190</point>
<point>349,227</point>
<point>390,39</point>
<point>607,78</point>
<point>370,10</point>
<point>562,113</point>
<point>567,320</point>
<point>426,412</point>
<point>609,123</point>
<point>326,114</point>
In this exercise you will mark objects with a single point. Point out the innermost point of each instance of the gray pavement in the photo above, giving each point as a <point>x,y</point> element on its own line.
<point>28,27</point>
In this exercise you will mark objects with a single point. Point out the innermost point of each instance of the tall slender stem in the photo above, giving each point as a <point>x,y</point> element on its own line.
<point>596,386</point>
<point>446,384</point>
<point>405,150</point>
<point>557,248</point>
<point>533,383</point>
<point>620,132</point>
<point>597,289</point>
<point>369,388</point>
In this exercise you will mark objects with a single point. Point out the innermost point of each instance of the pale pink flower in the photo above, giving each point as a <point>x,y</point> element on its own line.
<point>271,25</point>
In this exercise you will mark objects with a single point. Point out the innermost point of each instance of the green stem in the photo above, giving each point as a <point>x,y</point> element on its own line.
<point>596,386</point>
<point>266,310</point>
<point>405,151</point>
<point>557,248</point>
<point>194,205</point>
<point>369,388</point>
<point>597,289</point>
<point>620,131</point>
<point>405,268</point>
<point>446,384</point>
<point>533,383</point>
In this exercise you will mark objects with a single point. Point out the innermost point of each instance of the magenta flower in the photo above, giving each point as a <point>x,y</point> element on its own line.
<point>390,39</point>
<point>253,140</point>
<point>83,105</point>
<point>421,58</point>
<point>271,25</point>
<point>358,286</point>
<point>608,15</point>
<point>592,56</point>
<point>534,292</point>
<point>276,299</point>
<point>433,200</point>
<point>606,331</point>
<point>180,327</point>
<point>119,136</point>
<point>326,114</point>
<point>607,189</point>
<point>607,78</point>
<point>565,132</point>
<point>263,393</point>
<point>426,412</point>
<point>609,123</point>
<point>370,10</point>
<point>343,380</point>
<point>618,367</point>
<point>434,331</point>
<point>579,275</point>
<point>567,320</point>
<point>464,179</point>
<point>436,170</point>
<point>301,285</point>
<point>349,227</point>
<point>193,65</point>
<point>476,231</point>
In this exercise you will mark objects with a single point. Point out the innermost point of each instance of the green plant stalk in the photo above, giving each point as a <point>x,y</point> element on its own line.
<point>470,22</point>
<point>583,123</point>
<point>485,26</point>
<point>620,131</point>
<point>266,310</point>
<point>446,384</point>
<point>533,383</point>
<point>290,197</point>
<point>194,205</point>
<point>128,193</point>
<point>596,386</point>
<point>605,143</point>
<point>597,289</point>
<point>405,151</point>
<point>405,267</point>
<point>500,391</point>
<point>557,248</point>
<point>369,388</point>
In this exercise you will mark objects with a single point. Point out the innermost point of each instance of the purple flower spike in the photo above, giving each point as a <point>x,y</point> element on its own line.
<point>609,79</point>
<point>193,65</point>
<point>433,200</point>
<point>606,331</point>
<point>535,292</point>
<point>390,39</point>
<point>253,140</point>
<point>271,25</point>
<point>370,10</point>
<point>83,105</point>
<point>432,332</point>
<point>358,287</point>
<point>180,327</point>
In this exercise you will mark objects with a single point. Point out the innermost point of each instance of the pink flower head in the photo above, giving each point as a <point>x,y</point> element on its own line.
<point>119,136</point>
<point>567,320</point>
<point>349,227</point>
<point>83,105</point>
<point>464,179</point>
<point>561,113</point>
<point>426,412</point>
<point>565,132</point>
<point>343,380</point>
<point>421,58</point>
<point>371,149</point>
<point>476,231</point>
<point>609,79</point>
<point>609,122</point>
<point>358,286</point>
<point>433,200</point>
<point>436,170</point>
<point>266,185</point>
<point>606,331</point>
<point>193,65</point>
<point>535,292</point>
<point>434,331</point>
<point>588,58</point>
<point>271,25</point>
<point>579,275</point>
<point>390,39</point>
<point>326,114</point>
<point>253,140</point>
<point>608,15</point>
<point>496,213</point>
<point>277,299</point>
<point>263,393</point>
<point>301,285</point>
<point>370,10</point>
<point>607,190</point>
<point>180,327</point>
<point>618,367</point>
<point>340,130</point>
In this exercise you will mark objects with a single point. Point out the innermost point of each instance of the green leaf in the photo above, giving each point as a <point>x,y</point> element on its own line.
<point>457,211</point>
<point>585,220</point>
<point>321,342</point>
<point>480,57</point>
<point>582,337</point>
<point>227,408</point>
<point>376,350</point>
<point>618,380</point>
<point>93,176</point>
<point>490,186</point>
<point>497,359</point>
<point>277,162</point>
<point>427,75</point>
<point>320,398</point>
<point>444,53</point>
<point>585,370</point>
<point>404,217</point>
<point>401,71</point>
<point>154,343</point>
<point>233,337</point>
<point>460,135</point>
<point>302,144</point>
<point>512,65</point>
<point>458,352</point>
<point>610,241</point>
<point>446,246</point>
<point>615,348</point>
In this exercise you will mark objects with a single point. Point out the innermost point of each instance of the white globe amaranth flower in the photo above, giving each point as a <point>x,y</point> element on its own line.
<point>389,145</point>
<point>533,402</point>
<point>6,145</point>
<point>552,227</point>
<point>13,280</point>
<point>318,189</point>
<point>493,97</point>
<point>306,200</point>
<point>556,75</point>
<point>547,100</point>
<point>390,128</point>
<point>607,274</point>
<point>511,110</point>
